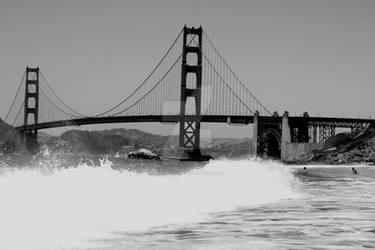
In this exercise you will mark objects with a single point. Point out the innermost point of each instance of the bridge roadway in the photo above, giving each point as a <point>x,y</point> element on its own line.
<point>232,119</point>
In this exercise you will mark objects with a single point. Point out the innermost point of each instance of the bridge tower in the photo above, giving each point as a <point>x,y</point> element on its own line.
<point>31,107</point>
<point>190,125</point>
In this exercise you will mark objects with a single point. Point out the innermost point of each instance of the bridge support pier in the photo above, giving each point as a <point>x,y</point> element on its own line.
<point>285,138</point>
<point>299,138</point>
<point>255,133</point>
<point>285,135</point>
<point>30,141</point>
<point>267,136</point>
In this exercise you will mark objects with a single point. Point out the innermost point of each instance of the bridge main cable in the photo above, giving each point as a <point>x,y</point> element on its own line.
<point>23,102</point>
<point>15,97</point>
<point>144,82</point>
<point>161,79</point>
<point>230,69</point>
<point>57,107</point>
<point>77,114</point>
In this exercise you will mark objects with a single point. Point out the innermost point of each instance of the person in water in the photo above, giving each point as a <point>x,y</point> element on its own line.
<point>304,170</point>
<point>354,170</point>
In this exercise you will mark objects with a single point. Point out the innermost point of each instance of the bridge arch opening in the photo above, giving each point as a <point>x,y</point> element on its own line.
<point>272,143</point>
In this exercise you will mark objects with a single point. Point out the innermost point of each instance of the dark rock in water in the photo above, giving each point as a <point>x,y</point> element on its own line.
<point>143,154</point>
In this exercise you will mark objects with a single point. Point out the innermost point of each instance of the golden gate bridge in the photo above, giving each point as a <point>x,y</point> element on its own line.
<point>191,84</point>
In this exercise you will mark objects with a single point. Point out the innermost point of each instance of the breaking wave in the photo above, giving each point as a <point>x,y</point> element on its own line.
<point>69,208</point>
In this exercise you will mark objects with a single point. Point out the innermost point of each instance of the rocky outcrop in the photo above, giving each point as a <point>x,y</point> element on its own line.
<point>353,147</point>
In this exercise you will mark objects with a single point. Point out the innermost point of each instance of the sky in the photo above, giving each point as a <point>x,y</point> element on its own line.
<point>296,55</point>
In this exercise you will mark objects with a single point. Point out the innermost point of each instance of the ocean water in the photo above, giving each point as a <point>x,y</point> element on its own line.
<point>223,204</point>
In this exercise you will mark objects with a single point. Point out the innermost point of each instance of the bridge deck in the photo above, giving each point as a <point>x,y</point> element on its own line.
<point>318,121</point>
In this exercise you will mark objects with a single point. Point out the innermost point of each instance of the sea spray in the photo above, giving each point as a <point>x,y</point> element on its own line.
<point>69,207</point>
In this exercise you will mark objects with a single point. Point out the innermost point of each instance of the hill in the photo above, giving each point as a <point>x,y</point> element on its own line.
<point>105,141</point>
<point>228,147</point>
<point>9,138</point>
<point>353,147</point>
<point>125,140</point>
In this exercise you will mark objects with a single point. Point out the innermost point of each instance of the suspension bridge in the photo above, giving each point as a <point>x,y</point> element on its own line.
<point>190,85</point>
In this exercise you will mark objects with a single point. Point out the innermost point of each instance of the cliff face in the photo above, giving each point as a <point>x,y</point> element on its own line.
<point>353,147</point>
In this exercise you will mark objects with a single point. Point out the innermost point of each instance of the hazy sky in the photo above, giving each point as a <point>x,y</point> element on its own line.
<point>315,56</point>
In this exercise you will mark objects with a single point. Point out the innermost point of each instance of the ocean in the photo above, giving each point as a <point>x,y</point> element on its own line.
<point>221,204</point>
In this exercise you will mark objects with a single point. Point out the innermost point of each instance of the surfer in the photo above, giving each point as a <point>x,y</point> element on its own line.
<point>305,170</point>
<point>354,170</point>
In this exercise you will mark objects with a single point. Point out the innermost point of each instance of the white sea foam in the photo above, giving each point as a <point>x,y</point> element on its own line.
<point>69,207</point>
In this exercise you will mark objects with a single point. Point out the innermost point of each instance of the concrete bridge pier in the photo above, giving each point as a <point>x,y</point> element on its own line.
<point>266,135</point>
<point>285,135</point>
<point>298,139</point>
<point>30,141</point>
<point>285,138</point>
<point>255,133</point>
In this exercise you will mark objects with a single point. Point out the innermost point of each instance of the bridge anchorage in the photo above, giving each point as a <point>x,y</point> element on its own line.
<point>296,138</point>
<point>203,89</point>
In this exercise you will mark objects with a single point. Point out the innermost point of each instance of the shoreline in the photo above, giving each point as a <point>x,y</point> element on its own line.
<point>315,163</point>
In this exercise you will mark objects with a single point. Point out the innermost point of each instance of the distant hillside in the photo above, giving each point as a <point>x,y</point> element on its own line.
<point>8,137</point>
<point>228,147</point>
<point>122,140</point>
<point>125,140</point>
<point>4,129</point>
<point>353,147</point>
<point>105,141</point>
